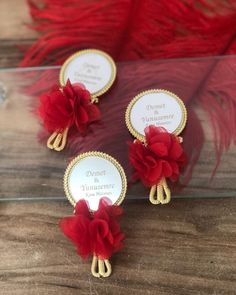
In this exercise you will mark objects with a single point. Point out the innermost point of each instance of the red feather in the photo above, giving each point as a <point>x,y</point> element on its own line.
<point>152,30</point>
<point>140,29</point>
<point>219,101</point>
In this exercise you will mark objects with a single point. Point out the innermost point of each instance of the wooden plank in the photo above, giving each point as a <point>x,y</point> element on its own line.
<point>14,32</point>
<point>11,53</point>
<point>14,17</point>
<point>187,247</point>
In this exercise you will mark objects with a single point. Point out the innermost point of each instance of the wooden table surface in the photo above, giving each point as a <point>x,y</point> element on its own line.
<point>187,247</point>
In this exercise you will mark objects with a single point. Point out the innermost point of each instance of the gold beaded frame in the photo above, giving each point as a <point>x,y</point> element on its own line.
<point>140,136</point>
<point>107,157</point>
<point>86,51</point>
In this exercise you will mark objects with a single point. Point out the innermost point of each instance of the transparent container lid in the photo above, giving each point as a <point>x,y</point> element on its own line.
<point>30,171</point>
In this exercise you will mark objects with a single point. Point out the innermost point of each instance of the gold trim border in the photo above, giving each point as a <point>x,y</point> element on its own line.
<point>107,157</point>
<point>85,51</point>
<point>138,135</point>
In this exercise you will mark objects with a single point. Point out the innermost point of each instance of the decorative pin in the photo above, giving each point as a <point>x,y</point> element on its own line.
<point>95,183</point>
<point>70,108</point>
<point>156,117</point>
<point>93,68</point>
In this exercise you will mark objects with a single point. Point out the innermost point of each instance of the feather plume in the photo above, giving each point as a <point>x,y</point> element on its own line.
<point>147,30</point>
<point>140,29</point>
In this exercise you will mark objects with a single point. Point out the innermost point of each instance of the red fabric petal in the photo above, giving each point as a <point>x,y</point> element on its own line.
<point>83,116</point>
<point>66,107</point>
<point>167,170</point>
<point>81,208</point>
<point>98,234</point>
<point>76,228</point>
<point>161,156</point>
<point>112,241</point>
<point>160,149</point>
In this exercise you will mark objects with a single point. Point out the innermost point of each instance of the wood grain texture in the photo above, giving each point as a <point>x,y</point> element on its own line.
<point>187,248</point>
<point>14,17</point>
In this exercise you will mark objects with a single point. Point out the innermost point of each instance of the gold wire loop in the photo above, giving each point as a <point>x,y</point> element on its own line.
<point>100,267</point>
<point>94,267</point>
<point>160,193</point>
<point>57,141</point>
<point>152,195</point>
<point>50,140</point>
<point>180,139</point>
<point>94,99</point>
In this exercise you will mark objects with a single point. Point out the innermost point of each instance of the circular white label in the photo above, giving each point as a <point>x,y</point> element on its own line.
<point>92,176</point>
<point>155,107</point>
<point>93,68</point>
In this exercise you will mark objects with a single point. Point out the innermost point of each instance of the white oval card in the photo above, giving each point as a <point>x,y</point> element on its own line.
<point>94,175</point>
<point>155,107</point>
<point>91,67</point>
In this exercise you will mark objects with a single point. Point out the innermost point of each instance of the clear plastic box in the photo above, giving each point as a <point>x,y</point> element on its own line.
<point>30,171</point>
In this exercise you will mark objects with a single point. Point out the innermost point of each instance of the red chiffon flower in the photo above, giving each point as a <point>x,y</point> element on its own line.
<point>66,107</point>
<point>161,156</point>
<point>95,234</point>
<point>105,230</point>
